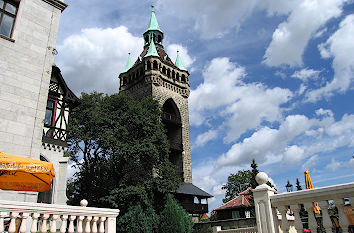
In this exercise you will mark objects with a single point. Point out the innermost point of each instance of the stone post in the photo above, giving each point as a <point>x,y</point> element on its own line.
<point>264,214</point>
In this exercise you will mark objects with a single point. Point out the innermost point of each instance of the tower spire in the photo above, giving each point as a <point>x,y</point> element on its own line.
<point>153,24</point>
<point>128,65</point>
<point>153,31</point>
<point>179,63</point>
<point>152,52</point>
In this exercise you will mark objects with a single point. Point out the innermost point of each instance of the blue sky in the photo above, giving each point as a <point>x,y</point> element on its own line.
<point>270,80</point>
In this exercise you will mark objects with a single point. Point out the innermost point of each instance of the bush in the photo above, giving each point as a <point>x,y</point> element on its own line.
<point>174,219</point>
<point>138,220</point>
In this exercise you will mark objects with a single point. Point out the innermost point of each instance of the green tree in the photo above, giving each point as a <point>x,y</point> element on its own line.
<point>254,171</point>
<point>174,219</point>
<point>121,153</point>
<point>298,185</point>
<point>237,183</point>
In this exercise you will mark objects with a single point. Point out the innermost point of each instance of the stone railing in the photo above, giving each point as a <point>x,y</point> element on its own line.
<point>35,217</point>
<point>217,229</point>
<point>269,205</point>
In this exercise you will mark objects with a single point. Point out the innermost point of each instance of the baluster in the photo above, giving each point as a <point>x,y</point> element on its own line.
<point>71,228</point>
<point>63,225</point>
<point>44,223</point>
<point>23,226</point>
<point>101,225</point>
<point>298,223</point>
<point>34,226</point>
<point>343,221</point>
<point>94,224</point>
<point>79,224</point>
<point>327,223</point>
<point>276,221</point>
<point>12,227</point>
<point>284,220</point>
<point>311,216</point>
<point>53,223</point>
<point>2,216</point>
<point>87,221</point>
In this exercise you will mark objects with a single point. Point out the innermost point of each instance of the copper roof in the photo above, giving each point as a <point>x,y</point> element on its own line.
<point>162,55</point>
<point>242,200</point>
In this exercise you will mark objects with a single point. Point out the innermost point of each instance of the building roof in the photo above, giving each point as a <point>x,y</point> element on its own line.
<point>191,189</point>
<point>153,24</point>
<point>242,200</point>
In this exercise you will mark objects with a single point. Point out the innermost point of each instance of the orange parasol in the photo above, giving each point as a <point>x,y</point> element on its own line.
<point>25,174</point>
<point>309,185</point>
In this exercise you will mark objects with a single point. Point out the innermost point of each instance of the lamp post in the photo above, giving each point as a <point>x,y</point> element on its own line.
<point>289,187</point>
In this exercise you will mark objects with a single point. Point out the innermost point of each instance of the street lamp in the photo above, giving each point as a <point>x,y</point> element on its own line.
<point>289,187</point>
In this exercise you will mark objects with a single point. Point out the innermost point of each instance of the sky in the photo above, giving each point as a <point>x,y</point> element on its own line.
<point>271,80</point>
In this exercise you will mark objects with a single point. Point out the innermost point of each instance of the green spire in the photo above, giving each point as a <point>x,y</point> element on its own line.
<point>153,24</point>
<point>179,63</point>
<point>152,52</point>
<point>128,65</point>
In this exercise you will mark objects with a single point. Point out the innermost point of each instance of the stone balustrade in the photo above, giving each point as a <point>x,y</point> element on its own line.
<point>269,205</point>
<point>36,217</point>
<point>217,229</point>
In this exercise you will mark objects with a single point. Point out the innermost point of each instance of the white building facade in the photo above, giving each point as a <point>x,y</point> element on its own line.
<point>34,99</point>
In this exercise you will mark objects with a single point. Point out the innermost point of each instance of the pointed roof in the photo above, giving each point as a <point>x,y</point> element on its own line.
<point>242,200</point>
<point>179,63</point>
<point>128,65</point>
<point>153,24</point>
<point>152,52</point>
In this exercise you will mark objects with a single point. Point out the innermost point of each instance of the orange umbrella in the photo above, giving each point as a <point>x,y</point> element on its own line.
<point>309,185</point>
<point>25,174</point>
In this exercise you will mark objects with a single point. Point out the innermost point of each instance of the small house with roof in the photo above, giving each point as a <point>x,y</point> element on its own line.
<point>239,207</point>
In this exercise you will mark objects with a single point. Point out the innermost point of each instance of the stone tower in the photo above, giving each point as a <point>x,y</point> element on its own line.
<point>155,75</point>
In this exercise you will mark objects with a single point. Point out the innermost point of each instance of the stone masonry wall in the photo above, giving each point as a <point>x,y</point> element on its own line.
<point>25,70</point>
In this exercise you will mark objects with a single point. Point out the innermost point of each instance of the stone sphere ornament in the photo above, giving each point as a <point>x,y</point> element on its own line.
<point>262,178</point>
<point>83,202</point>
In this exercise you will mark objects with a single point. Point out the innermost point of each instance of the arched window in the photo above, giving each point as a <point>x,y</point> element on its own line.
<point>169,73</point>
<point>164,70</point>
<point>173,74</point>
<point>155,65</point>
<point>183,78</point>
<point>159,38</point>
<point>148,65</point>
<point>177,77</point>
<point>124,80</point>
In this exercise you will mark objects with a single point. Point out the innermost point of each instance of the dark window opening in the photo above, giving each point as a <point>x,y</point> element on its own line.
<point>8,11</point>
<point>148,64</point>
<point>183,78</point>
<point>50,111</point>
<point>169,73</point>
<point>177,77</point>
<point>155,65</point>
<point>159,39</point>
<point>164,70</point>
<point>173,74</point>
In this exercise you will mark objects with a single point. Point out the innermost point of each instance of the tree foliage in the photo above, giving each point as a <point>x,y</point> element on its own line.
<point>120,150</point>
<point>237,183</point>
<point>174,219</point>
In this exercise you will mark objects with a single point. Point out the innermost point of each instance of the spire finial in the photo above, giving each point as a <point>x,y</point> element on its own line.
<point>152,8</point>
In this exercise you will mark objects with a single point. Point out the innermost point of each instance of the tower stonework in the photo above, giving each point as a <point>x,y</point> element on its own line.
<point>155,75</point>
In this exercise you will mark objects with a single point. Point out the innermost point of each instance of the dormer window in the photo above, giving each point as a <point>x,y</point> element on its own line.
<point>8,11</point>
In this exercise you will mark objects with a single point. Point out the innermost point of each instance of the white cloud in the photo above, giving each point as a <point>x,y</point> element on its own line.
<point>243,105</point>
<point>291,37</point>
<point>340,46</point>
<point>265,142</point>
<point>310,163</point>
<point>93,59</point>
<point>334,165</point>
<point>293,154</point>
<point>345,126</point>
<point>183,52</point>
<point>306,74</point>
<point>203,138</point>
<point>351,163</point>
